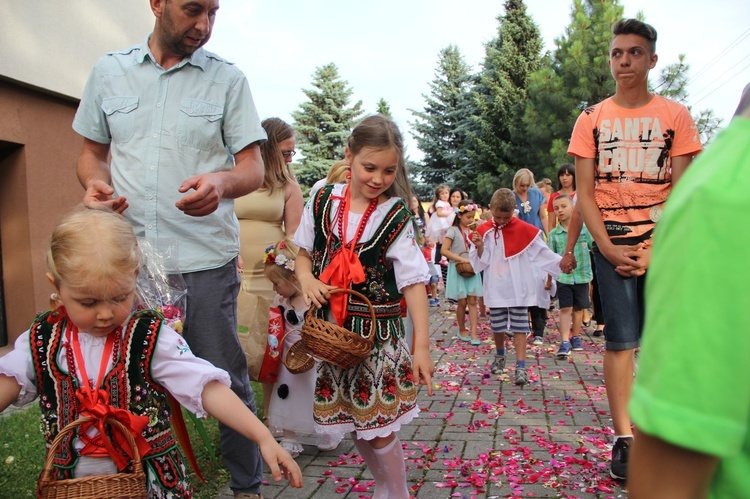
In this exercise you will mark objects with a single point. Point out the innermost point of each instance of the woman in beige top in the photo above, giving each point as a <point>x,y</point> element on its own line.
<point>269,214</point>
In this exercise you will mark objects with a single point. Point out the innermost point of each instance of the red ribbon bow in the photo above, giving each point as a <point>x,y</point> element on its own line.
<point>343,269</point>
<point>100,410</point>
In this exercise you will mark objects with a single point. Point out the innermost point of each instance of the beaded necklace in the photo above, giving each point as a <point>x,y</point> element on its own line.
<point>343,219</point>
<point>344,267</point>
<point>88,389</point>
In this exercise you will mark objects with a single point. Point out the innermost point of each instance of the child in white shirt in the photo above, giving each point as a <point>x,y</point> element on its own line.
<point>506,248</point>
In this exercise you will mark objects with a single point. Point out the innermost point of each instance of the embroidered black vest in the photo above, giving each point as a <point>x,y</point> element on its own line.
<point>128,383</point>
<point>380,279</point>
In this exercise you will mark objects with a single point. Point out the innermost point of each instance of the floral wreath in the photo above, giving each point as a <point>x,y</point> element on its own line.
<point>272,257</point>
<point>465,208</point>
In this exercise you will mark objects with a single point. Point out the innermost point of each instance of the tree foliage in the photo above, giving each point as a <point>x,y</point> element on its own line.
<point>673,84</point>
<point>437,128</point>
<point>323,123</point>
<point>384,109</point>
<point>518,110</point>
<point>497,142</point>
<point>573,77</point>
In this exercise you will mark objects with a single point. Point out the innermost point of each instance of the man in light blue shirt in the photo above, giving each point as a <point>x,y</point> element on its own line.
<point>183,134</point>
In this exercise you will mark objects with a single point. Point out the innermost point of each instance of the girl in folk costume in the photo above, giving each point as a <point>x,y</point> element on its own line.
<point>506,249</point>
<point>91,357</point>
<point>362,236</point>
<point>291,407</point>
<point>464,289</point>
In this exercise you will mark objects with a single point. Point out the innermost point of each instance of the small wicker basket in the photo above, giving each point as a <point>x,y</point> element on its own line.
<point>333,343</point>
<point>296,359</point>
<point>464,269</point>
<point>120,486</point>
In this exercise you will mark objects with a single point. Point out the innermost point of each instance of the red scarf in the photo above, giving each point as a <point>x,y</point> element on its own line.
<point>517,234</point>
<point>345,267</point>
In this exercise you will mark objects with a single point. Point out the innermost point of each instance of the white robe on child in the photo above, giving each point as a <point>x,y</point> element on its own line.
<point>512,282</point>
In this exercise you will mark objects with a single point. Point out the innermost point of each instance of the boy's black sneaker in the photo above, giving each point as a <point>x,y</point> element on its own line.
<point>620,452</point>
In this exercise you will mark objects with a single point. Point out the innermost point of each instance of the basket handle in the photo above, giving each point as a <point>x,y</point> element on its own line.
<point>48,468</point>
<point>283,338</point>
<point>361,297</point>
<point>299,329</point>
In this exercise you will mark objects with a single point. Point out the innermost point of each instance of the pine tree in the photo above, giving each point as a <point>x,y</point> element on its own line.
<point>575,76</point>
<point>436,128</point>
<point>497,142</point>
<point>384,109</point>
<point>673,83</point>
<point>323,124</point>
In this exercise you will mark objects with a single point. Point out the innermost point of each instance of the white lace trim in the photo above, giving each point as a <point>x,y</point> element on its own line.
<point>381,432</point>
<point>539,234</point>
<point>414,280</point>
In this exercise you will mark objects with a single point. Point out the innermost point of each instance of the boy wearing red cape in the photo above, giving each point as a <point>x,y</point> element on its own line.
<point>506,248</point>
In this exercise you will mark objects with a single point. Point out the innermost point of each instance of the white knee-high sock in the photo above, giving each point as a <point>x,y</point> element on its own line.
<point>373,464</point>
<point>391,459</point>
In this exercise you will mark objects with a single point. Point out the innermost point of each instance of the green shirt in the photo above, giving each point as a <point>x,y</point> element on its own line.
<point>693,383</point>
<point>557,239</point>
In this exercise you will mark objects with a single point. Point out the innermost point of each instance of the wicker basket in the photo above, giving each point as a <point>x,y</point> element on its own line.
<point>464,269</point>
<point>120,486</point>
<point>333,343</point>
<point>296,359</point>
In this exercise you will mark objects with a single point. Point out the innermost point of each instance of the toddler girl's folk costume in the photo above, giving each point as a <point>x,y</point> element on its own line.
<point>126,392</point>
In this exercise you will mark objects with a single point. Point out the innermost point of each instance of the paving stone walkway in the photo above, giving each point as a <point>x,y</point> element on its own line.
<point>481,436</point>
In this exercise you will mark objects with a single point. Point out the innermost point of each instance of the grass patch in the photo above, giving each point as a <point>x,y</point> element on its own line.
<point>22,453</point>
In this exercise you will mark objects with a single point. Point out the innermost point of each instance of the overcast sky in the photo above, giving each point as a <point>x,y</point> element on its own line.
<point>390,48</point>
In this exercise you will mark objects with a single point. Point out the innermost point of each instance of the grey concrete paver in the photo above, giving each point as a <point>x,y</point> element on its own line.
<point>481,436</point>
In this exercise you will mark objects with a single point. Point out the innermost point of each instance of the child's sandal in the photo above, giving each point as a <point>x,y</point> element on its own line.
<point>291,446</point>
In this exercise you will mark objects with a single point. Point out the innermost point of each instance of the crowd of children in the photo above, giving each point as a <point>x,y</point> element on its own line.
<point>95,355</point>
<point>358,234</point>
<point>446,247</point>
<point>509,282</point>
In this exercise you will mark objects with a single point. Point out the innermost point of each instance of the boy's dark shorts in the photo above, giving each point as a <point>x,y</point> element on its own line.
<point>573,295</point>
